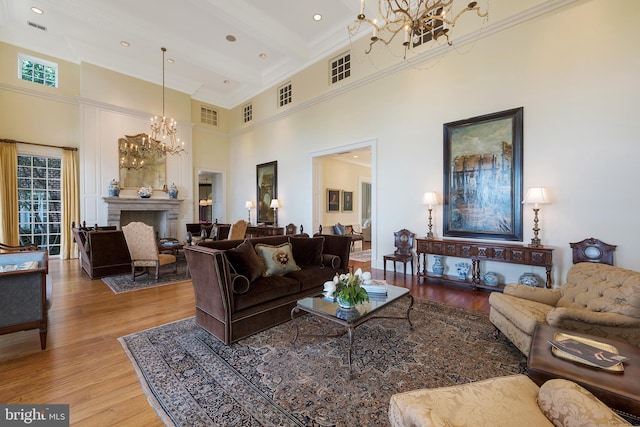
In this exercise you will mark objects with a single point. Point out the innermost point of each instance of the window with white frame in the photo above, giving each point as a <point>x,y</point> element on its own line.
<point>285,94</point>
<point>37,70</point>
<point>437,27</point>
<point>208,116</point>
<point>340,67</point>
<point>247,113</point>
<point>40,201</point>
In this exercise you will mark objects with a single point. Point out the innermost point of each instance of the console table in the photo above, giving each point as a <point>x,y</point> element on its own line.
<point>479,251</point>
<point>264,230</point>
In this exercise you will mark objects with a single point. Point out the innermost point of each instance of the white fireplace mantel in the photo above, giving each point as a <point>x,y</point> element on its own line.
<point>116,205</point>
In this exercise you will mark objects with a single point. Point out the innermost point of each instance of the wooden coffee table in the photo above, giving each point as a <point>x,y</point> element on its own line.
<point>620,391</point>
<point>326,308</point>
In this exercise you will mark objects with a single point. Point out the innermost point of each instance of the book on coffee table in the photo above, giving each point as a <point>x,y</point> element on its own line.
<point>376,287</point>
<point>588,352</point>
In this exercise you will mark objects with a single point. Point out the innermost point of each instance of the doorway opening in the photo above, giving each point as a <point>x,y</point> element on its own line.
<point>211,196</point>
<point>349,171</point>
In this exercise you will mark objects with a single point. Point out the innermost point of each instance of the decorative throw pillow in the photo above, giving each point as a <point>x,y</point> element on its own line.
<point>307,251</point>
<point>245,261</point>
<point>339,229</point>
<point>278,260</point>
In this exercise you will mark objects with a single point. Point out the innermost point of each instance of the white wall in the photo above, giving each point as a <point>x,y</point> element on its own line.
<point>573,70</point>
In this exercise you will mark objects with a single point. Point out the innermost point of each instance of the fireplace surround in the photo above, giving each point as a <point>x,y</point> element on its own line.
<point>162,214</point>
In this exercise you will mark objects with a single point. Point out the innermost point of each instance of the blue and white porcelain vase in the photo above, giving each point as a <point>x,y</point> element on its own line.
<point>438,268</point>
<point>462,268</point>
<point>490,278</point>
<point>343,303</point>
<point>173,191</point>
<point>114,188</point>
<point>529,279</point>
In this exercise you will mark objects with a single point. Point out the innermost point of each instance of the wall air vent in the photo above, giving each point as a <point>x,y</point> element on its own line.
<point>38,26</point>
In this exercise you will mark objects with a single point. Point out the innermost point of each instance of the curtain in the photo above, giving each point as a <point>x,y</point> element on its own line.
<point>70,202</point>
<point>9,193</point>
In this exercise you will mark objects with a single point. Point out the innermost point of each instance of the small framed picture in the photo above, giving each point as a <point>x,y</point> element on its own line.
<point>347,201</point>
<point>333,200</point>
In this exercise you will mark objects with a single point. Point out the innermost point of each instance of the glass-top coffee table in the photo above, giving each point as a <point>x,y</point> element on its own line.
<point>329,309</point>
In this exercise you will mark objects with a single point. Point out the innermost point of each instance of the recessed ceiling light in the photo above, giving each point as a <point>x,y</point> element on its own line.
<point>171,60</point>
<point>263,56</point>
<point>124,43</point>
<point>230,38</point>
<point>227,82</point>
<point>317,17</point>
<point>37,10</point>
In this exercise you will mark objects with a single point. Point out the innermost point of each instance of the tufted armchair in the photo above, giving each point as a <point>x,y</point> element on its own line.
<point>143,247</point>
<point>508,401</point>
<point>597,299</point>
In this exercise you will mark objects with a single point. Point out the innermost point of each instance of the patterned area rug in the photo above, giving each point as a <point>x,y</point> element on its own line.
<point>193,379</point>
<point>361,256</point>
<point>123,283</point>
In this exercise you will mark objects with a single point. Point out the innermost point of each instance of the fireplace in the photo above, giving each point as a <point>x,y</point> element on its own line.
<point>162,214</point>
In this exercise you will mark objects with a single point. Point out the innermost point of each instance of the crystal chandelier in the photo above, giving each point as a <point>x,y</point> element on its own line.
<point>163,130</point>
<point>418,20</point>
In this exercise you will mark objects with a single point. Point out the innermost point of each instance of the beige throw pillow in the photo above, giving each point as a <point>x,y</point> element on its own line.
<point>278,260</point>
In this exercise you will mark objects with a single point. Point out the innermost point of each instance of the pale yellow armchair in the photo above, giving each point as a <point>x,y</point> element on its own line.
<point>597,299</point>
<point>143,248</point>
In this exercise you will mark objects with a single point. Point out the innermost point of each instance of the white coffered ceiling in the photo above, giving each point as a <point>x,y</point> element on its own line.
<point>207,66</point>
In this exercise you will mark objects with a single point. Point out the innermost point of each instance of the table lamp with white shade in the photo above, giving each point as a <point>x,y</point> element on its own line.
<point>536,196</point>
<point>430,199</point>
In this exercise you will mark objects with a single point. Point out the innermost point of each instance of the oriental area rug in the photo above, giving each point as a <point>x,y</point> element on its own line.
<point>191,378</point>
<point>361,256</point>
<point>123,283</point>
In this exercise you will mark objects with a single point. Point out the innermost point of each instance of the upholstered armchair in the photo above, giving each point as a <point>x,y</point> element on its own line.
<point>597,299</point>
<point>508,401</point>
<point>143,248</point>
<point>25,292</point>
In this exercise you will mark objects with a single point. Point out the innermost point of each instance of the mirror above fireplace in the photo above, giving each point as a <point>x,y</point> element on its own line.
<point>140,165</point>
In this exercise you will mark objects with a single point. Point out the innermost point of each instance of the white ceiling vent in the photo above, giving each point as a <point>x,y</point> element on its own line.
<point>38,26</point>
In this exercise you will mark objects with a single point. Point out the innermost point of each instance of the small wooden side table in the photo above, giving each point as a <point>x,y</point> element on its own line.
<point>620,391</point>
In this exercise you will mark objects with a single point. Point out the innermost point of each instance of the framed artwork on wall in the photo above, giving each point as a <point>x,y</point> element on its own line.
<point>333,200</point>
<point>347,201</point>
<point>483,176</point>
<point>267,190</point>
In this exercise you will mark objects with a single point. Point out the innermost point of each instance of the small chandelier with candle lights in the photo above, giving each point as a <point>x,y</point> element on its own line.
<point>418,20</point>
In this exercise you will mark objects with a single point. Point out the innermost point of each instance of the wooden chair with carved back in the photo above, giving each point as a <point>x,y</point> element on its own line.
<point>592,250</point>
<point>403,241</point>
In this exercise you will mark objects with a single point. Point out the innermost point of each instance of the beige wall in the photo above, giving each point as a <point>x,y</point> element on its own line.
<point>579,89</point>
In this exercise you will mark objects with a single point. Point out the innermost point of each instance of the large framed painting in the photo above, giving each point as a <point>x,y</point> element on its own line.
<point>267,190</point>
<point>483,177</point>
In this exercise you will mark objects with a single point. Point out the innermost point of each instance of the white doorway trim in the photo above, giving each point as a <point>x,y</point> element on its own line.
<point>318,192</point>
<point>219,208</point>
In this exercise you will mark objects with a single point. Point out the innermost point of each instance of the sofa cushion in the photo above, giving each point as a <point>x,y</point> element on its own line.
<point>307,251</point>
<point>265,289</point>
<point>245,261</point>
<point>312,277</point>
<point>278,260</point>
<point>565,403</point>
<point>501,401</point>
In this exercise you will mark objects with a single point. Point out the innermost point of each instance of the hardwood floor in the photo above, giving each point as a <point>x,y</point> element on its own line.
<point>85,366</point>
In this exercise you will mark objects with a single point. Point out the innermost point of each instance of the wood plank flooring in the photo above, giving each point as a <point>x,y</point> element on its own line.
<point>85,366</point>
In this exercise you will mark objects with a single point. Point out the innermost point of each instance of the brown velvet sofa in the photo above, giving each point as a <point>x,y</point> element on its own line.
<point>102,252</point>
<point>234,297</point>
